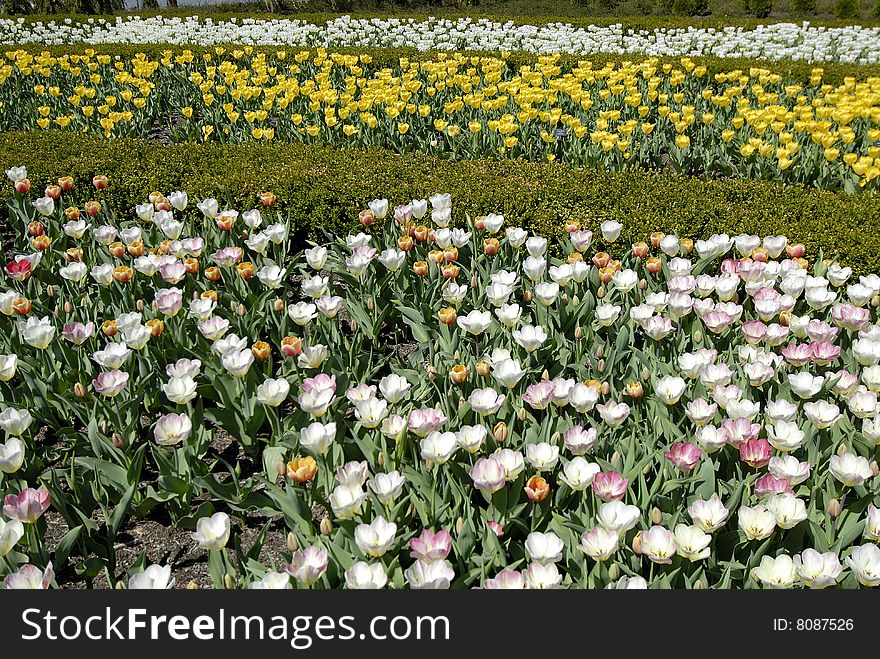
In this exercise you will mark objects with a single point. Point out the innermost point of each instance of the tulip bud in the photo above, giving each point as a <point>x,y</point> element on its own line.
<point>292,542</point>
<point>687,244</point>
<point>646,373</point>
<point>616,459</point>
<point>637,544</point>
<point>281,468</point>
<point>698,336</point>
<point>352,324</point>
<point>459,525</point>
<point>605,389</point>
<point>601,366</point>
<point>656,515</point>
<point>499,432</point>
<point>833,509</point>
<point>698,585</point>
<point>601,292</point>
<point>326,526</point>
<point>458,374</point>
<point>521,414</point>
<point>875,301</point>
<point>537,489</point>
<point>79,390</point>
<point>842,449</point>
<point>646,469</point>
<point>432,372</point>
<point>278,305</point>
<point>578,333</point>
<point>600,352</point>
<point>527,297</point>
<point>784,317</point>
<point>117,440</point>
<point>447,316</point>
<point>139,305</point>
<point>242,310</point>
<point>483,368</point>
<point>381,459</point>
<point>613,572</point>
<point>156,326</point>
<point>370,304</point>
<point>261,350</point>
<point>545,375</point>
<point>50,290</point>
<point>192,585</point>
<point>565,299</point>
<point>228,582</point>
<point>875,468</point>
<point>653,265</point>
<point>103,427</point>
<point>643,284</point>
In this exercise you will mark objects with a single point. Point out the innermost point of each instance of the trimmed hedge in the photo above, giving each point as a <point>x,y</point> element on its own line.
<point>834,73</point>
<point>324,188</point>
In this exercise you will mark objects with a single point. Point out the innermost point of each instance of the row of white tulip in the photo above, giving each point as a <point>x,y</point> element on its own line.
<point>804,42</point>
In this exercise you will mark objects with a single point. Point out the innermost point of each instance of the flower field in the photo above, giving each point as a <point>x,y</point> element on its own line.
<point>775,41</point>
<point>438,400</point>
<point>746,124</point>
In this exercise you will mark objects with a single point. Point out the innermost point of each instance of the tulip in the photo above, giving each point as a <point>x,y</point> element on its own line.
<point>849,469</point>
<point>153,577</point>
<point>346,500</point>
<point>537,489</point>
<point>507,579</point>
<point>434,575</point>
<point>172,429</point>
<point>780,572</point>
<point>387,487</point>
<point>10,534</point>
<point>599,543</point>
<point>376,538</point>
<point>609,486</point>
<point>28,505</point>
<point>365,576</point>
<point>692,543</point>
<point>302,470</point>
<point>684,455</point>
<point>756,522</point>
<point>489,475</point>
<point>578,473</point>
<point>30,577</point>
<point>272,581</point>
<point>308,565</point>
<point>658,544</point>
<point>15,422</point>
<point>212,533</point>
<point>817,570</point>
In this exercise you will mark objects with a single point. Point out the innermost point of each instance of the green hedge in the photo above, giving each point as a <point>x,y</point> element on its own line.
<point>390,57</point>
<point>324,188</point>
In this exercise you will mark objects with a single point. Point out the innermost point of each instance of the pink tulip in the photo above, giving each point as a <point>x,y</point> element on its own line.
<point>110,383</point>
<point>824,353</point>
<point>425,421</point>
<point>609,486</point>
<point>539,396</point>
<point>28,505</point>
<point>684,455</point>
<point>77,333</point>
<point>797,354</point>
<point>755,452</point>
<point>430,546</point>
<point>850,317</point>
<point>754,330</point>
<point>30,577</point>
<point>740,430</point>
<point>770,484</point>
<point>227,256</point>
<point>496,527</point>
<point>321,382</point>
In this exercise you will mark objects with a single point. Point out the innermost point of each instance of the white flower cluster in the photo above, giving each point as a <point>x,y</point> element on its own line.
<point>851,44</point>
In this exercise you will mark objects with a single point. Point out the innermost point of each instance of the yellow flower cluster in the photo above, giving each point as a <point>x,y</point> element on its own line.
<point>652,114</point>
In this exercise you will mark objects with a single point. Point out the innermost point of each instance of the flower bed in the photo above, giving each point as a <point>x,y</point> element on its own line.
<point>753,124</point>
<point>435,400</point>
<point>855,44</point>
